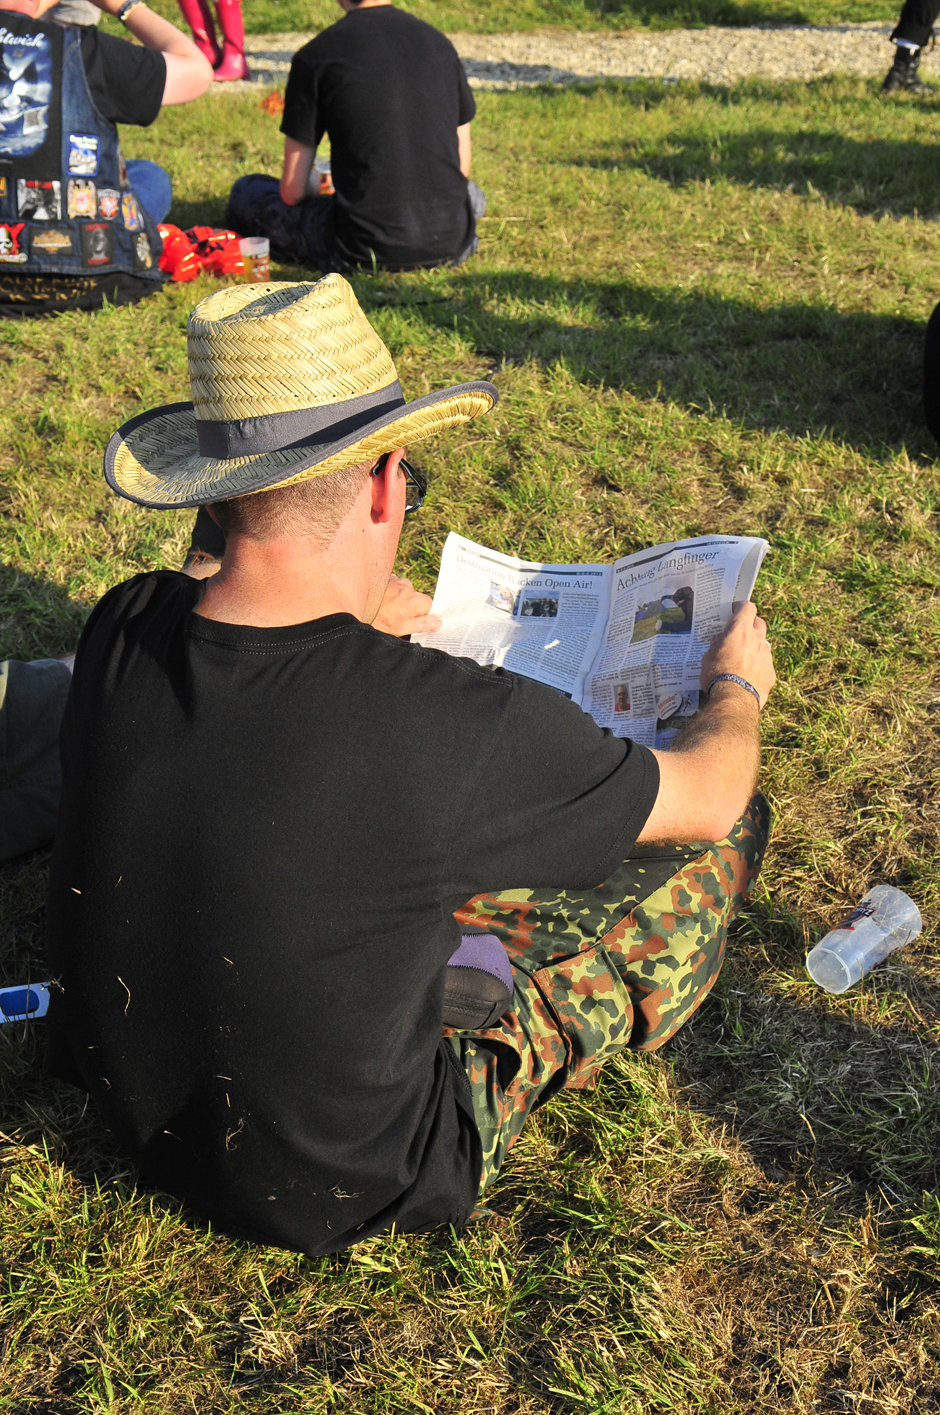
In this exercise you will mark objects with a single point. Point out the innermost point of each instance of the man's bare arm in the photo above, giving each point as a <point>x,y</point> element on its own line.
<point>707,779</point>
<point>463,148</point>
<point>295,174</point>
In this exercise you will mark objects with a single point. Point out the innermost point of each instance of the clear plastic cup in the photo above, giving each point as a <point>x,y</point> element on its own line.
<point>886,919</point>
<point>256,253</point>
<point>320,181</point>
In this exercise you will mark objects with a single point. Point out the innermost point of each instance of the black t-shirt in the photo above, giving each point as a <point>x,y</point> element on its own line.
<point>262,839</point>
<point>126,82</point>
<point>391,92</point>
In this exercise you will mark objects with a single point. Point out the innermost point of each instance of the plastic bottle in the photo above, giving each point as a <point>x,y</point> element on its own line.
<point>886,919</point>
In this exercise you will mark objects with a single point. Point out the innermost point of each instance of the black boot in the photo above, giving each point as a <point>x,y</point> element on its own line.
<point>903,75</point>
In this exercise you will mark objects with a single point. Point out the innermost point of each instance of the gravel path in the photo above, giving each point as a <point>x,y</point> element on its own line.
<point>719,56</point>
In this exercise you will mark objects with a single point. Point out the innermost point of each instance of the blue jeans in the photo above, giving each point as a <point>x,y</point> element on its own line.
<point>301,233</point>
<point>478,206</point>
<point>152,185</point>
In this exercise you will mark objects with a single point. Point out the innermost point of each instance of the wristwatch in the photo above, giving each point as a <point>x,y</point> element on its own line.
<point>125,10</point>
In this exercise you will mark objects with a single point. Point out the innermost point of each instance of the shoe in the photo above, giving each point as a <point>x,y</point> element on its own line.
<point>903,75</point>
<point>234,65</point>
<point>198,16</point>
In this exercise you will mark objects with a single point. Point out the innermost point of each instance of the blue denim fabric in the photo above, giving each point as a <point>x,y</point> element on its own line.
<point>478,207</point>
<point>302,234</point>
<point>152,186</point>
<point>123,240</point>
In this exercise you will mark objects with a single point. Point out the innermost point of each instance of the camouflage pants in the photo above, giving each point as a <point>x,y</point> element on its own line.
<point>623,965</point>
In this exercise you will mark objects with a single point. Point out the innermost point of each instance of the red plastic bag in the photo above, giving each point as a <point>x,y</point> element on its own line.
<point>187,254</point>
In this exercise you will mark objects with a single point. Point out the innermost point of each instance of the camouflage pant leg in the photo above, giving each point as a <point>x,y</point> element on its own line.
<point>596,971</point>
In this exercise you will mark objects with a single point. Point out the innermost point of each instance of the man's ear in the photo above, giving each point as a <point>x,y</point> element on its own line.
<point>211,509</point>
<point>388,491</point>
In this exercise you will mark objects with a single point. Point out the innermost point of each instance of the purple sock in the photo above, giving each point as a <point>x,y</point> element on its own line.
<point>485,952</point>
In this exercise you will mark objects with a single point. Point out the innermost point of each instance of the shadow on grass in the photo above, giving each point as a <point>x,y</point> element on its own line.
<point>876,175</point>
<point>804,369</point>
<point>702,12</point>
<point>37,618</point>
<point>818,1098</point>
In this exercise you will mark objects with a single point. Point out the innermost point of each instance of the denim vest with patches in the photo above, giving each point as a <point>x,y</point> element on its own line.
<point>66,207</point>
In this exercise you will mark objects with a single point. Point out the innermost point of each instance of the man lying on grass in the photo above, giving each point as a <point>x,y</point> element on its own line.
<point>278,817</point>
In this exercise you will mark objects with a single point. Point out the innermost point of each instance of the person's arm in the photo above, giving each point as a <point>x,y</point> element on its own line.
<point>463,148</point>
<point>188,72</point>
<point>298,161</point>
<point>707,779</point>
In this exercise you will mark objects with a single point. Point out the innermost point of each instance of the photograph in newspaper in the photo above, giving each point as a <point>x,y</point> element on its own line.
<point>501,597</point>
<point>667,604</point>
<point>539,606</point>
<point>672,714</point>
<point>669,613</point>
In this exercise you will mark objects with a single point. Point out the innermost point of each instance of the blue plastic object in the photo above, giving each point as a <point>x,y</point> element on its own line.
<point>21,1003</point>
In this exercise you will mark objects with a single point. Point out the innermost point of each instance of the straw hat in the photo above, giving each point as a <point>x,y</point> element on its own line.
<point>289,381</point>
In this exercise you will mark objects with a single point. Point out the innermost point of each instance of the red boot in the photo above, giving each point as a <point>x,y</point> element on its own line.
<point>233,65</point>
<point>198,16</point>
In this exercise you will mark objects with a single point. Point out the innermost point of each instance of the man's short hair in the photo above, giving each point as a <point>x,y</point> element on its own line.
<point>315,508</point>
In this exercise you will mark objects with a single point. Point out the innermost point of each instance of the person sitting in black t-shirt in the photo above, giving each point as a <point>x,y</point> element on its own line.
<point>278,817</point>
<point>77,222</point>
<point>391,93</point>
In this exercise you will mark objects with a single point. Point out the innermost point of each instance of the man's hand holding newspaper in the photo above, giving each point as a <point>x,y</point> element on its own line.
<point>626,641</point>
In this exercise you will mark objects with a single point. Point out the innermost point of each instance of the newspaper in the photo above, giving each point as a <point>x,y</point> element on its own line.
<point>625,641</point>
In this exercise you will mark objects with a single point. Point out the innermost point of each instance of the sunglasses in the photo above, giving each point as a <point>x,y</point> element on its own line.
<point>416,483</point>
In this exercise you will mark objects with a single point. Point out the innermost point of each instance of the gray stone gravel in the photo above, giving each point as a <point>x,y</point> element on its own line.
<point>718,56</point>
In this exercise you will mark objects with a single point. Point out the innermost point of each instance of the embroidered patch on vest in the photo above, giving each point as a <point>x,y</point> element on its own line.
<point>82,198</point>
<point>41,201</point>
<point>83,154</point>
<point>11,246</point>
<point>131,212</point>
<point>122,170</point>
<point>97,243</point>
<point>52,240</point>
<point>3,186</point>
<point>143,255</point>
<point>109,203</point>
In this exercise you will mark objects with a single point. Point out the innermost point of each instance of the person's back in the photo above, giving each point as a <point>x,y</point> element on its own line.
<point>391,93</point>
<point>259,1016</point>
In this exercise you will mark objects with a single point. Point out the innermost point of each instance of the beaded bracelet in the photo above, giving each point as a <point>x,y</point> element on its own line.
<point>733,678</point>
<point>125,10</point>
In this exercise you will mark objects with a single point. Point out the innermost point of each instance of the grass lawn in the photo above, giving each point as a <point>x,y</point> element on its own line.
<point>490,17</point>
<point>704,311</point>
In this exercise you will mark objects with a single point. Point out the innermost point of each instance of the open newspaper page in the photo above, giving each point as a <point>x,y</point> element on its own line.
<point>544,621</point>
<point>667,604</point>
